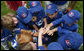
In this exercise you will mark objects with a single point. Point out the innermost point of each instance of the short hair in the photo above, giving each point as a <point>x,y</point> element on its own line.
<point>7,21</point>
<point>24,38</point>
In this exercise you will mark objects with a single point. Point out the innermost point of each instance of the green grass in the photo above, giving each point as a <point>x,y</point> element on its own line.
<point>78,6</point>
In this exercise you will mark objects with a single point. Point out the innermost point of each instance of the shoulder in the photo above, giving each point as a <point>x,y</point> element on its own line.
<point>75,25</point>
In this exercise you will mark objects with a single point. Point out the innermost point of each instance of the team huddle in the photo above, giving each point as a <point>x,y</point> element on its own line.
<point>33,28</point>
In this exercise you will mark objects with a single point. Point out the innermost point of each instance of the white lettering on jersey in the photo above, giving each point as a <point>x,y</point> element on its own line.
<point>39,23</point>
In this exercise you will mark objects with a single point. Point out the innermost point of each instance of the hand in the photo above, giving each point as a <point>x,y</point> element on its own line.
<point>41,30</point>
<point>46,29</point>
<point>50,32</point>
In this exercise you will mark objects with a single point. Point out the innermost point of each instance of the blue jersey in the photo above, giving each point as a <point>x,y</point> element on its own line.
<point>38,19</point>
<point>59,2</point>
<point>59,15</point>
<point>71,41</point>
<point>62,31</point>
<point>72,28</point>
<point>20,26</point>
<point>6,34</point>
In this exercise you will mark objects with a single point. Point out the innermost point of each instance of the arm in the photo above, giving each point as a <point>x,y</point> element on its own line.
<point>40,45</point>
<point>75,28</point>
<point>62,31</point>
<point>50,32</point>
<point>35,27</point>
<point>57,21</point>
<point>35,34</point>
<point>53,24</point>
<point>45,21</point>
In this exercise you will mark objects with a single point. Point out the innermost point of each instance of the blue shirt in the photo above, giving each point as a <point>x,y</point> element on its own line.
<point>6,34</point>
<point>62,31</point>
<point>74,38</point>
<point>20,26</point>
<point>59,15</point>
<point>72,28</point>
<point>59,2</point>
<point>39,19</point>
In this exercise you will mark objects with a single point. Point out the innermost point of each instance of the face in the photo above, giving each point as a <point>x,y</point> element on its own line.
<point>33,45</point>
<point>52,15</point>
<point>15,20</point>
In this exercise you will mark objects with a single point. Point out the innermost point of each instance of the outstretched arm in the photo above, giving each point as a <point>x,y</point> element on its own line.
<point>40,45</point>
<point>36,28</point>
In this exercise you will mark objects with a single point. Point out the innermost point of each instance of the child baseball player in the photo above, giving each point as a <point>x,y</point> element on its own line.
<point>69,22</point>
<point>6,35</point>
<point>12,23</point>
<point>71,41</point>
<point>24,15</point>
<point>52,13</point>
<point>38,14</point>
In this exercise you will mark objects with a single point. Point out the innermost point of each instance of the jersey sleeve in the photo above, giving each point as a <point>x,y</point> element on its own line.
<point>57,21</point>
<point>75,28</point>
<point>41,48</point>
<point>60,14</point>
<point>62,31</point>
<point>43,13</point>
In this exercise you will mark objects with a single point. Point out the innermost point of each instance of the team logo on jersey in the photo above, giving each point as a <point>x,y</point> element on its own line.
<point>24,15</point>
<point>34,18</point>
<point>49,6</point>
<point>68,42</point>
<point>40,22</point>
<point>34,3</point>
<point>71,14</point>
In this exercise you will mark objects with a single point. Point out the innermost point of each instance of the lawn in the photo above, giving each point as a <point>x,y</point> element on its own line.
<point>78,6</point>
